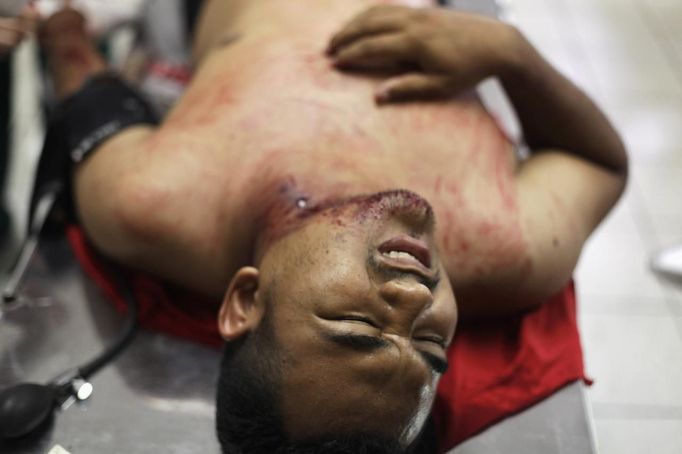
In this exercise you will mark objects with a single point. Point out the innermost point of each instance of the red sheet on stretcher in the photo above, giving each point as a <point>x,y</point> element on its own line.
<point>497,368</point>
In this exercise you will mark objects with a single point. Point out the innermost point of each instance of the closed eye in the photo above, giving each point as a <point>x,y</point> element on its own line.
<point>439,341</point>
<point>368,344</point>
<point>358,341</point>
<point>358,318</point>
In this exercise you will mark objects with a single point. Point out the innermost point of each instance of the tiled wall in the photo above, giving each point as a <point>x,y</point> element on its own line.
<point>628,55</point>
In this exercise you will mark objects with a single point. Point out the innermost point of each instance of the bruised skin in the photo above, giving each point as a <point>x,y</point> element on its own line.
<point>269,119</point>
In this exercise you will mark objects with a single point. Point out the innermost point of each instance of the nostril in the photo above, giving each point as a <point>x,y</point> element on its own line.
<point>406,293</point>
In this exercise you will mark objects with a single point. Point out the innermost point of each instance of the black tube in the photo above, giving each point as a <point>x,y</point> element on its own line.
<point>125,337</point>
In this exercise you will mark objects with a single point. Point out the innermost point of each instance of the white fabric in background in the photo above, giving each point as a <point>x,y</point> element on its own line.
<point>102,15</point>
<point>11,8</point>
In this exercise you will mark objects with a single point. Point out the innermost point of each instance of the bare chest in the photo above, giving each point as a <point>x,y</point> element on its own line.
<point>264,119</point>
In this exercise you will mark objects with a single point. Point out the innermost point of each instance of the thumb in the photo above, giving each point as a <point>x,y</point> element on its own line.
<point>414,87</point>
<point>30,16</point>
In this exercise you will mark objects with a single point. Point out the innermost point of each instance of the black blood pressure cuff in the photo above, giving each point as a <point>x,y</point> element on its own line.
<point>79,124</point>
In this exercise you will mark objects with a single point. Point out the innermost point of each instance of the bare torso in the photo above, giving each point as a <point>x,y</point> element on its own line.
<point>267,117</point>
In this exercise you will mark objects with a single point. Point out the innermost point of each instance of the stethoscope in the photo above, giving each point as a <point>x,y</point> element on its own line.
<point>26,408</point>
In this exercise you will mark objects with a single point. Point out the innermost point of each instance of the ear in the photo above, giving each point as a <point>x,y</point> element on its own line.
<point>241,311</point>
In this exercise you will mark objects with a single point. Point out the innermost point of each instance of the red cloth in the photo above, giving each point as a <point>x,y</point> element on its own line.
<point>497,368</point>
<point>185,314</point>
<point>501,367</point>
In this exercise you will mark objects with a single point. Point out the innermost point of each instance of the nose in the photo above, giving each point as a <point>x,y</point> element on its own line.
<point>408,298</point>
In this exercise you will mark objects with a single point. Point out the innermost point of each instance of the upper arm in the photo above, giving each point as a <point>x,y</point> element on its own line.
<point>103,185</point>
<point>562,198</point>
<point>140,204</point>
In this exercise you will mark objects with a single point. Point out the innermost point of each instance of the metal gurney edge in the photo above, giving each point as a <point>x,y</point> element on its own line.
<point>157,397</point>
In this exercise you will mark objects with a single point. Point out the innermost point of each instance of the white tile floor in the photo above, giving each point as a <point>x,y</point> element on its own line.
<point>628,55</point>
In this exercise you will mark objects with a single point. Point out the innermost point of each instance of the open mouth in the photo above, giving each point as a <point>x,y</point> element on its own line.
<point>407,254</point>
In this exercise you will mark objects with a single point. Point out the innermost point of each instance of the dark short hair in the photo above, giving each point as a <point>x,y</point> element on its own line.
<point>248,420</point>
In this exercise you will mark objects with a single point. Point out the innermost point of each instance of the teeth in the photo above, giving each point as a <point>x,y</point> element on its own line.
<point>400,255</point>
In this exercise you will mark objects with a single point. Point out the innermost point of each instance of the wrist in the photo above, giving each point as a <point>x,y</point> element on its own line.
<point>512,60</point>
<point>519,61</point>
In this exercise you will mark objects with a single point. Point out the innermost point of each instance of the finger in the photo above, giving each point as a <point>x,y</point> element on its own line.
<point>374,21</point>
<point>414,87</point>
<point>11,25</point>
<point>380,52</point>
<point>9,40</point>
<point>29,17</point>
<point>30,12</point>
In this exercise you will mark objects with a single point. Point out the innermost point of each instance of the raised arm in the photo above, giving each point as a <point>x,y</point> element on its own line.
<point>101,181</point>
<point>578,168</point>
<point>135,193</point>
<point>576,174</point>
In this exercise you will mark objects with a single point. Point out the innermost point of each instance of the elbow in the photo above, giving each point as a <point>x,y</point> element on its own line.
<point>616,163</point>
<point>137,213</point>
<point>619,162</point>
<point>127,224</point>
<point>622,168</point>
<point>623,163</point>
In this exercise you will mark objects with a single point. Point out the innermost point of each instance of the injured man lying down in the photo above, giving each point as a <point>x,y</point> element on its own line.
<point>330,201</point>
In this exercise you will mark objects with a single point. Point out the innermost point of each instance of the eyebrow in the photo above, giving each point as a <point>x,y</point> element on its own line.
<point>364,343</point>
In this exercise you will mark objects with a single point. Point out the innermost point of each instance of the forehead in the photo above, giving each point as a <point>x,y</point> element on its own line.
<point>331,388</point>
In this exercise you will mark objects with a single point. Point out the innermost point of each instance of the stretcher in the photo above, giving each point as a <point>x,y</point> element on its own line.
<point>158,396</point>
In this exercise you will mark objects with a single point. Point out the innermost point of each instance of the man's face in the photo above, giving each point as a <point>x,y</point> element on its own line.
<point>363,310</point>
